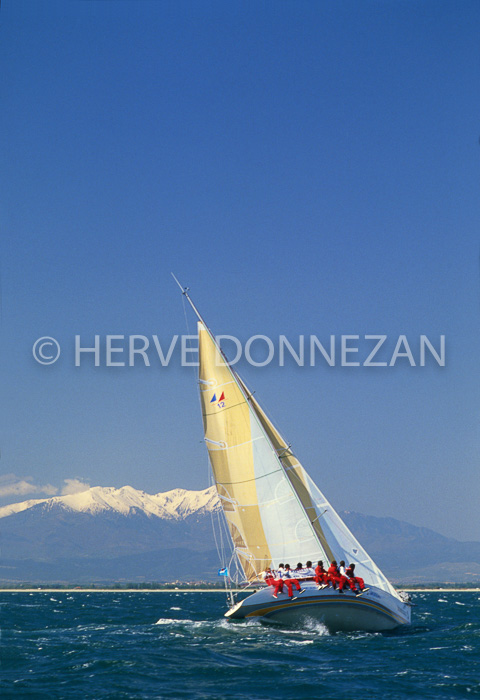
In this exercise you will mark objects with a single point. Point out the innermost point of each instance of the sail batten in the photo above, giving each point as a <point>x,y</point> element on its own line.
<point>227,447</point>
<point>246,481</point>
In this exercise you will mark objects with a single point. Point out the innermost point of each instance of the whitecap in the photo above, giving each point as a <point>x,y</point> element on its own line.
<point>174,608</point>
<point>238,626</point>
<point>198,623</point>
<point>442,600</point>
<point>457,602</point>
<point>312,625</point>
<point>362,635</point>
<point>173,621</point>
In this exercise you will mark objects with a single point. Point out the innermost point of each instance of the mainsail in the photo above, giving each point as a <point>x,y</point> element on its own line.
<point>274,511</point>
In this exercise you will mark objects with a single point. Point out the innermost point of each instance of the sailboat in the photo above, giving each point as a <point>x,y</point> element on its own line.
<point>275,513</point>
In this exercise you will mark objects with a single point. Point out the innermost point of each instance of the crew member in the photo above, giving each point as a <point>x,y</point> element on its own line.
<point>310,571</point>
<point>268,576</point>
<point>278,581</point>
<point>321,576</point>
<point>335,577</point>
<point>290,581</point>
<point>352,580</point>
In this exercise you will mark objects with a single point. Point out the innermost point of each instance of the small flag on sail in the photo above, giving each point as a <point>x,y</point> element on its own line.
<point>223,572</point>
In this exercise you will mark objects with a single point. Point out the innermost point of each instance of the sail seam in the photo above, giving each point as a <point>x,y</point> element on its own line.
<point>215,385</point>
<point>232,447</point>
<point>227,408</point>
<point>248,481</point>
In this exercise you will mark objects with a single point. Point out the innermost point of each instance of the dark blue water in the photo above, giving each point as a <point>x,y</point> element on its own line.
<point>177,645</point>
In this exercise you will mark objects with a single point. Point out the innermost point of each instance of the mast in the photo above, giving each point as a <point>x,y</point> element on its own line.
<point>185,293</point>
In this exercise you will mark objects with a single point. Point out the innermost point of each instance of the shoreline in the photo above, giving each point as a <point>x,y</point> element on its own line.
<point>198,590</point>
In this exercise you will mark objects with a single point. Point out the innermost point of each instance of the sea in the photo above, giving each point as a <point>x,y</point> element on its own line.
<point>154,644</point>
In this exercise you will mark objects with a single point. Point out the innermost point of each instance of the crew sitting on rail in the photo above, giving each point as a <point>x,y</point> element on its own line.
<point>290,581</point>
<point>321,576</point>
<point>305,572</point>
<point>310,569</point>
<point>335,577</point>
<point>278,581</point>
<point>268,577</point>
<point>352,580</point>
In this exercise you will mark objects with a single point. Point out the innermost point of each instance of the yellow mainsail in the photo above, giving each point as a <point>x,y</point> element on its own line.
<point>265,515</point>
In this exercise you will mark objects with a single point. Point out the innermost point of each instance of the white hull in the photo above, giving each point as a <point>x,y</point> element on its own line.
<point>373,611</point>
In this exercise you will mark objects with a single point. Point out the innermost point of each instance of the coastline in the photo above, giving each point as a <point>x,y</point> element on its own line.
<point>118,590</point>
<point>198,590</point>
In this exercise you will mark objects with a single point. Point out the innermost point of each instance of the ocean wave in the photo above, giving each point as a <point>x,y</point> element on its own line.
<point>135,648</point>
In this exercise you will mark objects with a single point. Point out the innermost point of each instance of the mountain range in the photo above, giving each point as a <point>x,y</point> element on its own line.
<point>106,535</point>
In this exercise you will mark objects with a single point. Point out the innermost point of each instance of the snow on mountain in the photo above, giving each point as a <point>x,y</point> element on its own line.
<point>171,505</point>
<point>108,534</point>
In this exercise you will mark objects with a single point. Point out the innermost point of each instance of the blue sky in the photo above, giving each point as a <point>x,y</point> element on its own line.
<point>306,168</point>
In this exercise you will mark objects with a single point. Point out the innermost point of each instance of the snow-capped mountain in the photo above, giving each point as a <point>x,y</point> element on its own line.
<point>106,534</point>
<point>177,504</point>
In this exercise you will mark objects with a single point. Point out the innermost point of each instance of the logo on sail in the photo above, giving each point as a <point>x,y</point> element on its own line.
<point>220,402</point>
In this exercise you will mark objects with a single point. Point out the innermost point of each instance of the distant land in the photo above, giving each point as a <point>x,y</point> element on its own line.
<point>106,535</point>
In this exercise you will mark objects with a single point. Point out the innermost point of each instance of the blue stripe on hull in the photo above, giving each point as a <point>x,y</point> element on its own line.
<point>325,601</point>
<point>374,611</point>
<point>336,611</point>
